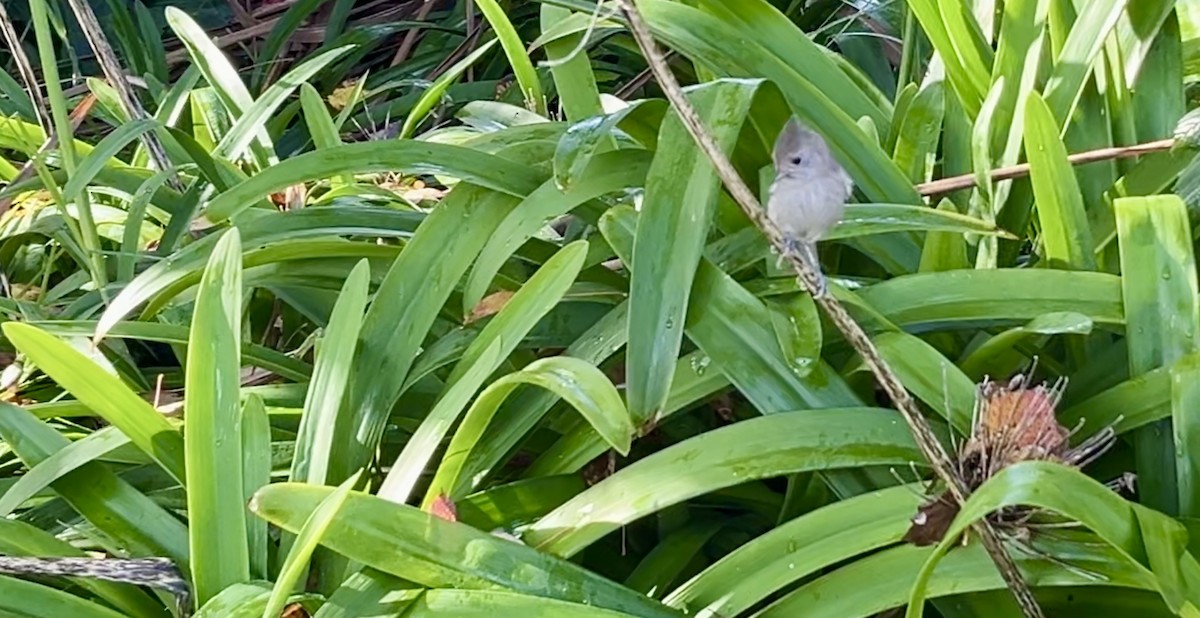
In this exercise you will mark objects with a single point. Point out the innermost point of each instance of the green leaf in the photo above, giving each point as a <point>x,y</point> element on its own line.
<point>606,173</point>
<point>114,506</point>
<point>929,376</point>
<point>1014,77</point>
<point>1146,538</point>
<point>883,580</point>
<point>594,135</point>
<point>435,553</point>
<point>1073,65</point>
<point>959,41</point>
<point>931,301</point>
<point>757,448</point>
<point>22,598</point>
<point>390,156</point>
<point>165,279</point>
<point>998,355</point>
<point>693,382</point>
<point>920,130</point>
<point>571,69</point>
<point>663,564</point>
<point>681,194</point>
<point>523,412</point>
<point>797,326</point>
<point>711,42</point>
<point>1064,223</point>
<point>307,539</point>
<point>782,39</point>
<point>404,473</point>
<point>789,553</point>
<point>580,383</point>
<point>252,353</point>
<point>871,219</point>
<point>314,440</point>
<point>220,74</point>
<point>64,461</point>
<point>243,132</point>
<point>733,328</point>
<point>487,603</point>
<point>503,332</point>
<point>105,394</point>
<point>212,428</point>
<point>255,427</point>
<point>1159,291</point>
<point>240,600</point>
<point>103,155</point>
<point>527,78</point>
<point>434,93</point>
<point>425,273</point>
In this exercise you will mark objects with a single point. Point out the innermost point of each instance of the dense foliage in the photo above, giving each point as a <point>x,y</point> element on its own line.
<point>437,309</point>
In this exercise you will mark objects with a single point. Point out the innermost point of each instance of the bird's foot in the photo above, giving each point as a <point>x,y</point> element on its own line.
<point>791,245</point>
<point>822,289</point>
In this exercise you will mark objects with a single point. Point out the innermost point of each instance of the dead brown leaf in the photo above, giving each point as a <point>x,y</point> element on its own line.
<point>490,305</point>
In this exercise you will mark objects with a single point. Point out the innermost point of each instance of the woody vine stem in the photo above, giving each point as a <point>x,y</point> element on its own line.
<point>922,433</point>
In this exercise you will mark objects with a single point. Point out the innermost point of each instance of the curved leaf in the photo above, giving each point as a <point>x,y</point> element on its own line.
<point>104,393</point>
<point>578,382</point>
<point>681,195</point>
<point>752,449</point>
<point>409,156</point>
<point>430,551</point>
<point>166,276</point>
<point>212,428</point>
<point>1146,538</point>
<point>929,301</point>
<point>797,549</point>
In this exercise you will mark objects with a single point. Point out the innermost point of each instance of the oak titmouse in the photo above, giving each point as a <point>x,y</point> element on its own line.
<point>809,193</point>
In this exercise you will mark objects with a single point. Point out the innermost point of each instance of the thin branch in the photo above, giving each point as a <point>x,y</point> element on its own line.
<point>410,37</point>
<point>640,79</point>
<point>922,433</point>
<point>80,112</point>
<point>241,13</point>
<point>966,181</point>
<point>158,573</point>
<point>116,77</point>
<point>13,41</point>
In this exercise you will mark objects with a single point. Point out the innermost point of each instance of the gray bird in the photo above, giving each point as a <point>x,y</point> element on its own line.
<point>809,194</point>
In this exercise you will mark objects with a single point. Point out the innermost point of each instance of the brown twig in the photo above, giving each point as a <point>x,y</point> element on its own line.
<point>966,181</point>
<point>153,572</point>
<point>80,112</point>
<point>241,13</point>
<point>314,34</point>
<point>40,110</point>
<point>116,77</point>
<point>922,433</point>
<point>639,80</point>
<point>410,37</point>
<point>461,51</point>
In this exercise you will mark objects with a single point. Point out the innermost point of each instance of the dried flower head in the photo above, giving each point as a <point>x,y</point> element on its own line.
<point>1012,422</point>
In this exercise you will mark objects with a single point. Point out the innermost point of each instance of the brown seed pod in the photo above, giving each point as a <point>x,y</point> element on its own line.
<point>1013,422</point>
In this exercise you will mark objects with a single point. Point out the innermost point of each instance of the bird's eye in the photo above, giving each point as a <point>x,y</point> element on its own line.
<point>797,160</point>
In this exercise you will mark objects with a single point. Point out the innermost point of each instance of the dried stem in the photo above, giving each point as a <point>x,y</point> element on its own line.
<point>966,181</point>
<point>410,37</point>
<point>922,433</point>
<point>153,572</point>
<point>112,71</point>
<point>81,111</point>
<point>25,69</point>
